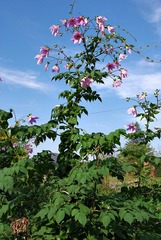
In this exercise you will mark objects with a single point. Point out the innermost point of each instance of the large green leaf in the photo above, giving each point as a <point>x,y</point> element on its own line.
<point>59,216</point>
<point>129,218</point>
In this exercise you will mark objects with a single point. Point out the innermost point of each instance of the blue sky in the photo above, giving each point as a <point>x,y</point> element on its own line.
<point>27,88</point>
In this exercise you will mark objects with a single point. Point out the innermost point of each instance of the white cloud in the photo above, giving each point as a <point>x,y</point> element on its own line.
<point>151,10</point>
<point>156,15</point>
<point>143,77</point>
<point>25,79</point>
<point>138,83</point>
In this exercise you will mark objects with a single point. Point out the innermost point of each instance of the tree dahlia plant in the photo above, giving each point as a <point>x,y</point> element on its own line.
<point>42,198</point>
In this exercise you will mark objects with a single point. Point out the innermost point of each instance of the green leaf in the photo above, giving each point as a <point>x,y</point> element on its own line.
<point>51,213</point>
<point>42,232</point>
<point>159,216</point>
<point>129,218</point>
<point>102,140</point>
<point>59,201</point>
<point>122,213</point>
<point>1,186</point>
<point>74,211</point>
<point>106,220</point>
<point>8,182</point>
<point>4,228</point>
<point>67,209</point>
<point>81,218</point>
<point>111,215</point>
<point>59,215</point>
<point>42,213</point>
<point>23,170</point>
<point>73,121</point>
<point>145,215</point>
<point>103,171</point>
<point>1,228</point>
<point>138,216</point>
<point>128,167</point>
<point>78,146</point>
<point>4,209</point>
<point>84,208</point>
<point>143,158</point>
<point>157,160</point>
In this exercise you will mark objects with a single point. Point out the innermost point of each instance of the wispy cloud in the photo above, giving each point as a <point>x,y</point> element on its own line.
<point>25,79</point>
<point>151,11</point>
<point>156,15</point>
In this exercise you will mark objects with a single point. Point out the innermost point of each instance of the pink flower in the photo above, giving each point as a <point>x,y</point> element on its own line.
<point>15,145</point>
<point>111,66</point>
<point>54,30</point>
<point>77,37</point>
<point>46,66</point>
<point>111,29</point>
<point>100,22</point>
<point>56,68</point>
<point>131,127</point>
<point>68,66</point>
<point>142,97</point>
<point>132,111</point>
<point>129,49</point>
<point>117,64</point>
<point>122,56</point>
<point>64,22</point>
<point>85,82</point>
<point>123,73</point>
<point>102,29</point>
<point>117,83</point>
<point>28,147</point>
<point>44,51</point>
<point>40,58</point>
<point>72,22</point>
<point>32,119</point>
<point>82,21</point>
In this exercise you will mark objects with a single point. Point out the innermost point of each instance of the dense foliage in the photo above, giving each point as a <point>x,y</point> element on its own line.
<point>43,199</point>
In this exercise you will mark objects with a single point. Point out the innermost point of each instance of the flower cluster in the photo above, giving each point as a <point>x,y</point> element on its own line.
<point>78,27</point>
<point>131,127</point>
<point>27,146</point>
<point>133,111</point>
<point>123,72</point>
<point>75,22</point>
